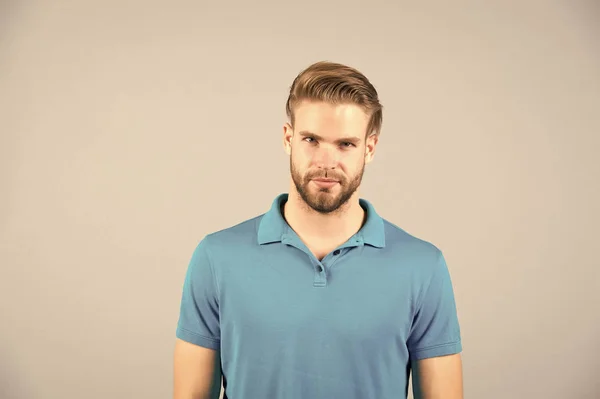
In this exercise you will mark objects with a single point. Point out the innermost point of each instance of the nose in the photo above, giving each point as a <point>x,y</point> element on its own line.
<point>326,158</point>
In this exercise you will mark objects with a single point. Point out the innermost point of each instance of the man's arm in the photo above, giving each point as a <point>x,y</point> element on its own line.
<point>438,378</point>
<point>434,341</point>
<point>197,357</point>
<point>196,372</point>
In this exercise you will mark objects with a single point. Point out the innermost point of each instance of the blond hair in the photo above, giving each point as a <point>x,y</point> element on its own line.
<point>337,84</point>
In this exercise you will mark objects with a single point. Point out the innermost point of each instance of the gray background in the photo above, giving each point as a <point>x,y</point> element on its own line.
<point>131,129</point>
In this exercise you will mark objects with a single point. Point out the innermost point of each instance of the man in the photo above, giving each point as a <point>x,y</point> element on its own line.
<point>320,297</point>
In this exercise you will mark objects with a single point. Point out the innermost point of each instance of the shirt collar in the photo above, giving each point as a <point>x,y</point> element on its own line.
<point>273,227</point>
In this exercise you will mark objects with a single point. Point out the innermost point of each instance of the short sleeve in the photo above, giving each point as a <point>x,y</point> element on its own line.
<point>199,311</point>
<point>435,329</point>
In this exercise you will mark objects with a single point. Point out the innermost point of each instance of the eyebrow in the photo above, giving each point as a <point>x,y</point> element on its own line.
<point>350,139</point>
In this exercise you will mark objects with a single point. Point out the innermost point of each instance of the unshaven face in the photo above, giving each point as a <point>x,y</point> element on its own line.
<point>328,142</point>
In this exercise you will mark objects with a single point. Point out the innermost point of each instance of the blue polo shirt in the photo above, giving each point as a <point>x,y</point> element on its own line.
<point>288,326</point>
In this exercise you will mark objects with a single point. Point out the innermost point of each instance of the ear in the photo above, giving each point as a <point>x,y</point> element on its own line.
<point>288,135</point>
<point>370,147</point>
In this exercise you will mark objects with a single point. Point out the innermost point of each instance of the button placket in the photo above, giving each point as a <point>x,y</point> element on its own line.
<point>320,272</point>
<point>320,279</point>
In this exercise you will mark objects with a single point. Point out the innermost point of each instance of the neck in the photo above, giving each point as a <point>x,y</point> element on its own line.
<point>337,226</point>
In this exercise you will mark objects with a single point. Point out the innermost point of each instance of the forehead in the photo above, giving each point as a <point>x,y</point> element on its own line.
<point>326,119</point>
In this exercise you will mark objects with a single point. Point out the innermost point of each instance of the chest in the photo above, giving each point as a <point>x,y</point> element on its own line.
<point>280,303</point>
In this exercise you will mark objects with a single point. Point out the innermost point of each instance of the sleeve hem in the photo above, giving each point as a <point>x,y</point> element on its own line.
<point>438,350</point>
<point>197,339</point>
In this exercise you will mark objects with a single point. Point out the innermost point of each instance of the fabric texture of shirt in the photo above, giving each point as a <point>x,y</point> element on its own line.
<point>288,326</point>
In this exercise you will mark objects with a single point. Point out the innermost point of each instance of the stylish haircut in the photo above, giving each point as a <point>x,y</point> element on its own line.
<point>336,84</point>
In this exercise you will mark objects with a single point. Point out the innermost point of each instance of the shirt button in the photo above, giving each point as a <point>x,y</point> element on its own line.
<point>320,269</point>
<point>336,252</point>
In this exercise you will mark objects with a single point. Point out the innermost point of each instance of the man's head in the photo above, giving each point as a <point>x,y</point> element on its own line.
<point>334,123</point>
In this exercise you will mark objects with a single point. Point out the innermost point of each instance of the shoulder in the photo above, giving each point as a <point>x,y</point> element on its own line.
<point>412,250</point>
<point>233,237</point>
<point>398,237</point>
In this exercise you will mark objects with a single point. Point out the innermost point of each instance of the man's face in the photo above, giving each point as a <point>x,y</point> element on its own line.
<point>328,142</point>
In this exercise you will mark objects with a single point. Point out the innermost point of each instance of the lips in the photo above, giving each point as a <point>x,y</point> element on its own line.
<point>326,180</point>
<point>325,183</point>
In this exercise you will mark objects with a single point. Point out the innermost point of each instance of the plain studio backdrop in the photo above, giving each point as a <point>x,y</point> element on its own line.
<point>129,130</point>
